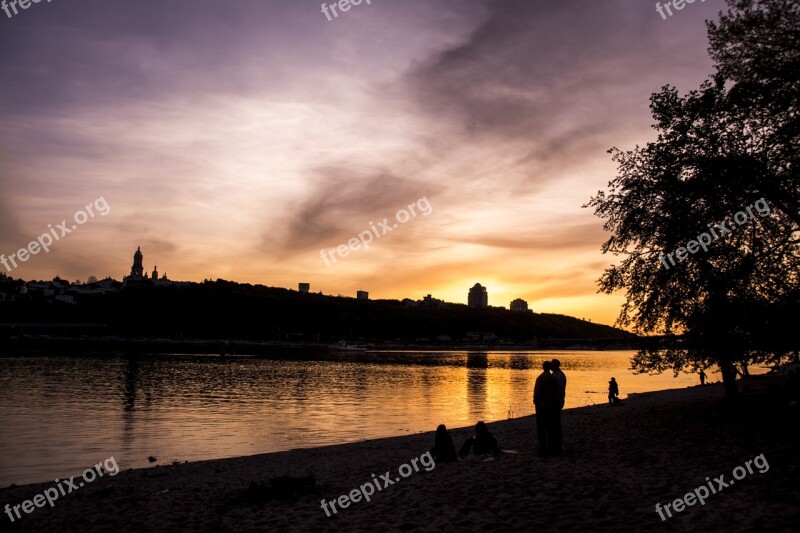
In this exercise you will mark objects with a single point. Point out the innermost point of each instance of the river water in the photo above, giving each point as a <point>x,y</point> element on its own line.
<point>62,414</point>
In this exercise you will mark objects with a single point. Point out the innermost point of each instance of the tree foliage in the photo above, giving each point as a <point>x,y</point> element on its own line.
<point>720,149</point>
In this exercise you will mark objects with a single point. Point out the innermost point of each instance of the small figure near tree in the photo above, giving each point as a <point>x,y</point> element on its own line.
<point>613,392</point>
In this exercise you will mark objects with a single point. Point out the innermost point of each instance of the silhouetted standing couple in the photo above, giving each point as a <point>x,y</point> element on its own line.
<point>548,398</point>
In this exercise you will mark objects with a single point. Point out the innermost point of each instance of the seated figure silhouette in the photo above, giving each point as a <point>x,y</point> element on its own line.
<point>613,392</point>
<point>443,451</point>
<point>483,443</point>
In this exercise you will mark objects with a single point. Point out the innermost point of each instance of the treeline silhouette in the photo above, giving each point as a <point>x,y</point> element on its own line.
<point>228,310</point>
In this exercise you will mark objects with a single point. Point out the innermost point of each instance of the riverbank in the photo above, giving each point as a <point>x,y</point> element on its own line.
<point>618,463</point>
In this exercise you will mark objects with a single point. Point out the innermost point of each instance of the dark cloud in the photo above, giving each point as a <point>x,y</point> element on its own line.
<point>342,201</point>
<point>556,77</point>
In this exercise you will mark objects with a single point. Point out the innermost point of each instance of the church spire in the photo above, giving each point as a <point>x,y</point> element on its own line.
<point>137,270</point>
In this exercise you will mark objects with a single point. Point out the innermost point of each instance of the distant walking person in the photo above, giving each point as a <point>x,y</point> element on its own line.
<point>444,451</point>
<point>547,400</point>
<point>558,433</point>
<point>613,392</point>
<point>702,377</point>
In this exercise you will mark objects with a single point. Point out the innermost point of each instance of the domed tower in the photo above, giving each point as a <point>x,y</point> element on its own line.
<point>137,270</point>
<point>155,272</point>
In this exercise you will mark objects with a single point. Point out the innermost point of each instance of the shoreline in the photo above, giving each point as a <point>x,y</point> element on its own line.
<point>618,463</point>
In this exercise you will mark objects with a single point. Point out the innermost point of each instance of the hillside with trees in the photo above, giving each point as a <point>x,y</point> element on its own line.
<point>228,310</point>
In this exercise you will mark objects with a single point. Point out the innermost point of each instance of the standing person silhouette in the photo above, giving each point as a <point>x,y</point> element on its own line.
<point>613,392</point>
<point>702,377</point>
<point>546,399</point>
<point>558,433</point>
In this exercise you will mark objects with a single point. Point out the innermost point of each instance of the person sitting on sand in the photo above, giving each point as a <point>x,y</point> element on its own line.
<point>443,451</point>
<point>613,392</point>
<point>483,443</point>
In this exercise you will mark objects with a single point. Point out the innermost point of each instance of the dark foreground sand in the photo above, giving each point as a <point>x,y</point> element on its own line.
<point>618,463</point>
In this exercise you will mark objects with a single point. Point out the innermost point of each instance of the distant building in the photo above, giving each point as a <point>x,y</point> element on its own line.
<point>66,298</point>
<point>304,288</point>
<point>137,270</point>
<point>103,286</point>
<point>138,277</point>
<point>478,297</point>
<point>519,306</point>
<point>430,301</point>
<point>45,288</point>
<point>479,336</point>
<point>362,295</point>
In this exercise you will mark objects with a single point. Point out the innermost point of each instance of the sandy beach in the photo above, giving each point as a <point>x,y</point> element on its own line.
<point>618,463</point>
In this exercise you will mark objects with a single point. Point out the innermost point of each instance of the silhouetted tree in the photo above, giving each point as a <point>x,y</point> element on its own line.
<point>720,149</point>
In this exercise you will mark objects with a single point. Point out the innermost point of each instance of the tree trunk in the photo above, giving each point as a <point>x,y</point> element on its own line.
<point>729,378</point>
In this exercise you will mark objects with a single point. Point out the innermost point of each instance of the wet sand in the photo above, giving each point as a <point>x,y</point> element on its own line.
<point>618,463</point>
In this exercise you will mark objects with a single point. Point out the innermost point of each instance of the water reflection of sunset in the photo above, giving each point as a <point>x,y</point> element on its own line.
<point>180,408</point>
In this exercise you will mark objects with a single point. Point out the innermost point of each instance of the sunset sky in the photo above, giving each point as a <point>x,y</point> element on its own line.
<point>235,139</point>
